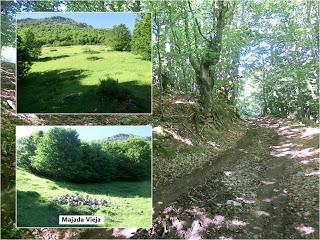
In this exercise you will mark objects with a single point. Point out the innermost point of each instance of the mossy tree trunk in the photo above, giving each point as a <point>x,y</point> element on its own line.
<point>205,63</point>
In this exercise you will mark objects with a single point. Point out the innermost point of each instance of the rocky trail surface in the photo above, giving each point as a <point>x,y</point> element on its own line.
<point>265,187</point>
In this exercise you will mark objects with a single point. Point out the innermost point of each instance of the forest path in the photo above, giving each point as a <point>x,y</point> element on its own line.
<point>265,187</point>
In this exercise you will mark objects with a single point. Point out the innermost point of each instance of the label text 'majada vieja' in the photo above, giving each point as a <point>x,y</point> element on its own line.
<point>83,219</point>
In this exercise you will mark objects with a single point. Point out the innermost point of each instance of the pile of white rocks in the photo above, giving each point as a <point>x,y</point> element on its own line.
<point>77,200</point>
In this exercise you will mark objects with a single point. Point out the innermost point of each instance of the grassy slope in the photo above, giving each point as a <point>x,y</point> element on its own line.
<point>132,201</point>
<point>64,70</point>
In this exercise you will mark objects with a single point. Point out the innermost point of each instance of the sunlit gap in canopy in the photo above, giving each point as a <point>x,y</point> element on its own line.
<point>8,54</point>
<point>249,103</point>
<point>254,57</point>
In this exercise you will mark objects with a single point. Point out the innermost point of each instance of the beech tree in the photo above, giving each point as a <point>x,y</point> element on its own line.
<point>26,148</point>
<point>119,38</point>
<point>28,50</point>
<point>141,37</point>
<point>59,154</point>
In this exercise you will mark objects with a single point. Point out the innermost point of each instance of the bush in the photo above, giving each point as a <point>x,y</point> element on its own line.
<point>119,39</point>
<point>111,89</point>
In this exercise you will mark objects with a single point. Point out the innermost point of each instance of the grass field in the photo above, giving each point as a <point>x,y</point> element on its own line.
<point>130,202</point>
<point>76,71</point>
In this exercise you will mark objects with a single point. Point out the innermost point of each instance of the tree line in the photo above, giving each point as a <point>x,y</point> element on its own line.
<point>60,31</point>
<point>60,154</point>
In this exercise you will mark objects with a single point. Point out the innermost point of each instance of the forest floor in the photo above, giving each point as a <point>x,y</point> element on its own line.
<point>265,187</point>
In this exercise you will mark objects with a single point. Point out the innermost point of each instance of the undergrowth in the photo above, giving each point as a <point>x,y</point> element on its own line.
<point>201,138</point>
<point>110,88</point>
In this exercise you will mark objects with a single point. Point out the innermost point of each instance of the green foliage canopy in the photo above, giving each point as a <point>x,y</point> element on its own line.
<point>132,158</point>
<point>141,37</point>
<point>60,154</point>
<point>26,148</point>
<point>61,31</point>
<point>28,50</point>
<point>120,38</point>
<point>268,60</point>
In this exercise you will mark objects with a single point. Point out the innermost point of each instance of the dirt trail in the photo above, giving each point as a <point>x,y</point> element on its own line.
<point>266,187</point>
<point>171,192</point>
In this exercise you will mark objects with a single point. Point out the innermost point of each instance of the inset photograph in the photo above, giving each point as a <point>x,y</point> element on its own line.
<point>95,63</point>
<point>83,176</point>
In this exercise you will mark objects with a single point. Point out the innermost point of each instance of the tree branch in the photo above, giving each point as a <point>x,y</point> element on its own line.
<point>186,30</point>
<point>197,23</point>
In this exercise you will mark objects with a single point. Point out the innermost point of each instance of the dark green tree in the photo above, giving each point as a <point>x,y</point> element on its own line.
<point>99,165</point>
<point>141,37</point>
<point>26,148</point>
<point>120,38</point>
<point>28,50</point>
<point>134,160</point>
<point>59,154</point>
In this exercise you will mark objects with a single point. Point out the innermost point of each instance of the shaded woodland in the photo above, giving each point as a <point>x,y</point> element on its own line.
<point>261,58</point>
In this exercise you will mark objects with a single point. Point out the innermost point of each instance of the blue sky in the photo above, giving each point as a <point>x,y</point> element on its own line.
<point>97,20</point>
<point>89,133</point>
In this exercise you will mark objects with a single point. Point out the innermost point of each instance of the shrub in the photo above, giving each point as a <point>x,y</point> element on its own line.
<point>111,89</point>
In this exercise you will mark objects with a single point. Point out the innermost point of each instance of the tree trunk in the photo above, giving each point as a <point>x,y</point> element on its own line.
<point>205,85</point>
<point>210,55</point>
<point>160,74</point>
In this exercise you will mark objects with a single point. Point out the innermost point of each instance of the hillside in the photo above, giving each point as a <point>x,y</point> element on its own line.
<point>122,137</point>
<point>77,70</point>
<point>61,31</point>
<point>34,205</point>
<point>55,20</point>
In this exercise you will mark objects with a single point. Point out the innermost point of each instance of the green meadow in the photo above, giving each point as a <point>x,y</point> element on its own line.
<point>130,202</point>
<point>67,80</point>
